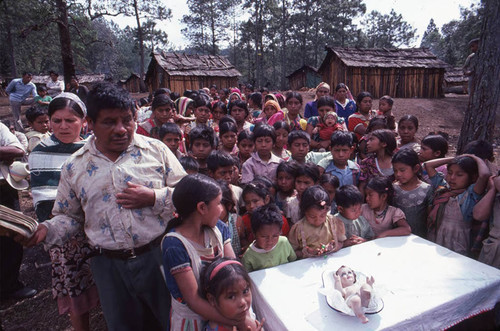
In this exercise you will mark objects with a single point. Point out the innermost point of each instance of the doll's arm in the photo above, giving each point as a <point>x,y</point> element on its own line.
<point>402,229</point>
<point>430,166</point>
<point>338,284</point>
<point>482,210</point>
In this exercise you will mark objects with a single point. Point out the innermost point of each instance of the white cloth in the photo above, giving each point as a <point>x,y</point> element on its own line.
<point>424,286</point>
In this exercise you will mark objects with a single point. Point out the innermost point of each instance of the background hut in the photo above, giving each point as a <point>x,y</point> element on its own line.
<point>85,79</point>
<point>400,73</point>
<point>134,84</point>
<point>455,81</point>
<point>180,72</point>
<point>305,76</point>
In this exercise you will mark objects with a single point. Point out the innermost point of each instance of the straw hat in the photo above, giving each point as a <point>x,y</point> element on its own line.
<point>16,174</point>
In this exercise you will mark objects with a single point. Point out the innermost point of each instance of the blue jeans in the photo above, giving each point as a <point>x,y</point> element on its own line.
<point>132,292</point>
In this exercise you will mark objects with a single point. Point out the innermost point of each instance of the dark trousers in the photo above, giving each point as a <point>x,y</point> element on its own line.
<point>132,292</point>
<point>11,253</point>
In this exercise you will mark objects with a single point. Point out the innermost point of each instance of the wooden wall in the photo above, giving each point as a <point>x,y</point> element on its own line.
<point>181,83</point>
<point>133,85</point>
<point>396,82</point>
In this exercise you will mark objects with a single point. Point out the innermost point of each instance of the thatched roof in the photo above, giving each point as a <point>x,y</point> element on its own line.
<point>302,69</point>
<point>455,75</point>
<point>384,57</point>
<point>177,64</point>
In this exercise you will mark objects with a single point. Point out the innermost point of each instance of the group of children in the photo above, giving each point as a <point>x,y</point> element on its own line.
<point>267,186</point>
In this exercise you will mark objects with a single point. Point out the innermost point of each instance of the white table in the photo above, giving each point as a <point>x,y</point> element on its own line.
<point>424,287</point>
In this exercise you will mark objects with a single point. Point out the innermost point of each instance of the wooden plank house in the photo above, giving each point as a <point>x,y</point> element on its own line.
<point>134,84</point>
<point>305,76</point>
<point>400,73</point>
<point>455,81</point>
<point>180,72</point>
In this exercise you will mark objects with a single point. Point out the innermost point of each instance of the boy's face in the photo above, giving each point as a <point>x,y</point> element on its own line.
<point>384,106</point>
<point>264,145</point>
<point>224,173</point>
<point>246,147</point>
<point>41,124</point>
<point>302,183</point>
<point>201,149</point>
<point>42,93</point>
<point>202,114</point>
<point>172,140</point>
<point>266,237</point>
<point>228,140</point>
<point>238,114</point>
<point>299,149</point>
<point>285,181</point>
<point>351,213</point>
<point>341,154</point>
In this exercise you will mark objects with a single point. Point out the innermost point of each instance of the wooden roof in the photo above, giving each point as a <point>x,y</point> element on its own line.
<point>181,64</point>
<point>303,68</point>
<point>384,57</point>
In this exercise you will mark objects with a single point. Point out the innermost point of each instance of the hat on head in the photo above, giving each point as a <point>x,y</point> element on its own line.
<point>16,174</point>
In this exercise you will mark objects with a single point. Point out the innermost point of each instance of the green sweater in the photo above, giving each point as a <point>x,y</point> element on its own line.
<point>256,258</point>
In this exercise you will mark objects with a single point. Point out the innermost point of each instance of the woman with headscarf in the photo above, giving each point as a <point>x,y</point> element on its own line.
<point>312,106</point>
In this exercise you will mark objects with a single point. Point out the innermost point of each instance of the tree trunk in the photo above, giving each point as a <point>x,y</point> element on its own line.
<point>65,39</point>
<point>283,44</point>
<point>141,38</point>
<point>10,43</point>
<point>479,120</point>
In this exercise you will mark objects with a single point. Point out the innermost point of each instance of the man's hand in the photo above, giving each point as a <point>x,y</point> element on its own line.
<point>37,237</point>
<point>136,197</point>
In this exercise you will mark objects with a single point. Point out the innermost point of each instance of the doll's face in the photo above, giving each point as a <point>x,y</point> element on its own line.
<point>347,276</point>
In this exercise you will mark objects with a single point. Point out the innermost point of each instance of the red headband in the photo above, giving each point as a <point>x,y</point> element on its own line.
<point>222,265</point>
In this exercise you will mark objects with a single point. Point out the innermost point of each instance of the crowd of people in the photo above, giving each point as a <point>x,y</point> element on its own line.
<point>158,209</point>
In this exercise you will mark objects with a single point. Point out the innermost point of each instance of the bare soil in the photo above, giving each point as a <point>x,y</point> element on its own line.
<point>40,312</point>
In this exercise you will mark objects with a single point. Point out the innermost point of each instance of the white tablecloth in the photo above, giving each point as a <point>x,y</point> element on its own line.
<point>424,287</point>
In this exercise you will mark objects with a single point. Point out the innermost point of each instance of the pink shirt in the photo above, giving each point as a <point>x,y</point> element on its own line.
<point>254,166</point>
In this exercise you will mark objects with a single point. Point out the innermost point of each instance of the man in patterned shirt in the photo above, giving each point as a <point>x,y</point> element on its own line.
<point>118,187</point>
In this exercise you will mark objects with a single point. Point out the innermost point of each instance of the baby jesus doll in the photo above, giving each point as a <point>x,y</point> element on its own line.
<point>357,296</point>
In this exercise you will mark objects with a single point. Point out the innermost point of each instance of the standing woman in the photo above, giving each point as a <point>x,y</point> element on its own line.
<point>72,283</point>
<point>312,107</point>
<point>344,106</point>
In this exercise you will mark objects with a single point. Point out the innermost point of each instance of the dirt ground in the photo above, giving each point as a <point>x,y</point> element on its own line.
<point>40,312</point>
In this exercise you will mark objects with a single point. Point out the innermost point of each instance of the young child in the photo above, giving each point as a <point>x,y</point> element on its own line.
<point>381,144</point>
<point>262,162</point>
<point>282,130</point>
<point>450,218</point>
<point>307,175</point>
<point>239,111</point>
<point>330,183</point>
<point>329,126</point>
<point>189,164</point>
<point>201,143</point>
<point>163,113</point>
<point>256,194</point>
<point>298,144</point>
<point>194,238</point>
<point>245,145</point>
<point>42,100</point>
<point>318,232</point>
<point>357,228</point>
<point>407,128</point>
<point>344,107</point>
<point>357,295</point>
<point>411,195</point>
<point>432,147</point>
<point>171,135</point>
<point>38,119</point>
<point>221,167</point>
<point>384,219</point>
<point>489,208</point>
<point>269,249</point>
<point>359,120</point>
<point>484,150</point>
<point>227,133</point>
<point>376,123</point>
<point>285,182</point>
<point>385,104</point>
<point>271,107</point>
<point>218,111</point>
<point>291,115</point>
<point>339,164</point>
<point>202,111</point>
<point>229,216</point>
<point>255,104</point>
<point>325,104</point>
<point>227,287</point>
